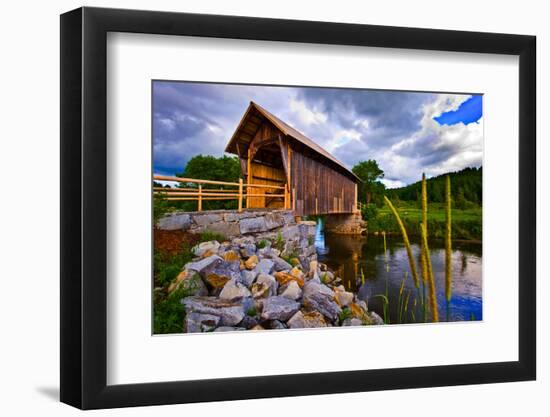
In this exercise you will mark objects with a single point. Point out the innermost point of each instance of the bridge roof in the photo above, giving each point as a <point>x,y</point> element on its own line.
<point>250,122</point>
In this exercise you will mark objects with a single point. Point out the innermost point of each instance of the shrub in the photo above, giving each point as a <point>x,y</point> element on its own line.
<point>208,235</point>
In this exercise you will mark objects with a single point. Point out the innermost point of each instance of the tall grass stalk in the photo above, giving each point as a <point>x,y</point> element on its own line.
<point>431,281</point>
<point>448,244</point>
<point>423,261</point>
<point>412,263</point>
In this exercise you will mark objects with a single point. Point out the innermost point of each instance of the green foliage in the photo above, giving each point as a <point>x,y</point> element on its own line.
<point>370,189</point>
<point>166,268</point>
<point>466,186</point>
<point>208,236</point>
<point>279,242</point>
<point>345,314</point>
<point>168,314</point>
<point>466,224</point>
<point>252,312</point>
<point>262,243</point>
<point>207,167</point>
<point>160,207</point>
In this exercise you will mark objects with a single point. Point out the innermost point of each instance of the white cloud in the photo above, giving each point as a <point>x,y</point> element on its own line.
<point>305,114</point>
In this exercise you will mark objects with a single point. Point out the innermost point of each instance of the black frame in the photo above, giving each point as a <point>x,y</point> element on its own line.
<point>84,207</point>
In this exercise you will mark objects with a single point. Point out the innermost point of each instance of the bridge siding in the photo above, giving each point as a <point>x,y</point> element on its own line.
<point>313,180</point>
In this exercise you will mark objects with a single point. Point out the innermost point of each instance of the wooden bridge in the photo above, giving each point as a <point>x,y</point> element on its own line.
<point>283,169</point>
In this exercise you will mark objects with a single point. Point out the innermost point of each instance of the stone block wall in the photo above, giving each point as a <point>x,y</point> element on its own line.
<point>298,238</point>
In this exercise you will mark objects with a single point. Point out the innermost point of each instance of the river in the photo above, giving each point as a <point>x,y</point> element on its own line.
<point>353,256</point>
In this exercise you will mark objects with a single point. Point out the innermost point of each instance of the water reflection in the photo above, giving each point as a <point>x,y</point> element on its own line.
<point>354,256</point>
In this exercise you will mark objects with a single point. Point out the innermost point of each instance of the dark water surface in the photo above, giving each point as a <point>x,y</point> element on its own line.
<point>349,255</point>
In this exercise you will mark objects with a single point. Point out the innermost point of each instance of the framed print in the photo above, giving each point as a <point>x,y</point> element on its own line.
<point>294,207</point>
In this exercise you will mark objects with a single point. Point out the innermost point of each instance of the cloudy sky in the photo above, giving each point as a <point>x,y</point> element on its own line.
<point>407,133</point>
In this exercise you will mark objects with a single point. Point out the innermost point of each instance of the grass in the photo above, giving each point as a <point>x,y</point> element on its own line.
<point>208,235</point>
<point>466,224</point>
<point>403,231</point>
<point>169,313</point>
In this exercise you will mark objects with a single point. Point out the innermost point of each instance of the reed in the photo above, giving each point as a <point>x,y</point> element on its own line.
<point>448,244</point>
<point>412,263</point>
<point>423,261</point>
<point>431,281</point>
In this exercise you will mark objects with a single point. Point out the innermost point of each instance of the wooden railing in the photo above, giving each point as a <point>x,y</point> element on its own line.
<point>201,194</point>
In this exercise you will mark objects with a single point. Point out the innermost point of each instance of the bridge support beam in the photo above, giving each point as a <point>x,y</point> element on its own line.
<point>345,224</point>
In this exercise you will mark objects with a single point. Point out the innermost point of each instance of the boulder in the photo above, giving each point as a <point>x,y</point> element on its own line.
<point>257,327</point>
<point>307,320</point>
<point>231,256</point>
<point>228,329</point>
<point>275,325</point>
<point>292,291</point>
<point>206,247</point>
<point>284,278</point>
<point>343,297</point>
<point>197,322</point>
<point>319,297</point>
<point>190,281</point>
<point>265,266</point>
<point>279,308</point>
<point>248,277</point>
<point>279,264</point>
<point>234,290</point>
<point>274,220</point>
<point>253,225</point>
<point>260,290</point>
<point>251,262</point>
<point>207,219</point>
<point>352,322</point>
<point>248,250</point>
<point>229,312</point>
<point>269,281</point>
<point>203,264</point>
<point>175,222</point>
<point>375,318</point>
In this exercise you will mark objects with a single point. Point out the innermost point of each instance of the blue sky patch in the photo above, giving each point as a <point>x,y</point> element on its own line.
<point>468,112</point>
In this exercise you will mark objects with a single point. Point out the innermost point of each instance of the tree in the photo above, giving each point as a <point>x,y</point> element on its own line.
<point>370,173</point>
<point>207,167</point>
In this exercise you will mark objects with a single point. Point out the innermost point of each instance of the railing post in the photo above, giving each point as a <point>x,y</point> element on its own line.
<point>200,198</point>
<point>240,194</point>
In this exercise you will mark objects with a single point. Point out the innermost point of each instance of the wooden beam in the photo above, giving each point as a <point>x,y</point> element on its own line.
<point>248,177</point>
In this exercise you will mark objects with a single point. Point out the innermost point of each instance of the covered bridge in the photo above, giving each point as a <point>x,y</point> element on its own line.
<point>273,153</point>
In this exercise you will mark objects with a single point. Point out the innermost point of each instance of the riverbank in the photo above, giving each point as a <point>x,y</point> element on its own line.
<point>466,223</point>
<point>250,283</point>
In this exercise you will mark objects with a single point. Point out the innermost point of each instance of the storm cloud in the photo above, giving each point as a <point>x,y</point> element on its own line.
<point>398,129</point>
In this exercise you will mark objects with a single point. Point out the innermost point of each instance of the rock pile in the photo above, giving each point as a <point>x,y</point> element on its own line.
<point>248,284</point>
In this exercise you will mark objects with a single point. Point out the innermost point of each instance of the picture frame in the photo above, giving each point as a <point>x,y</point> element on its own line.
<point>84,180</point>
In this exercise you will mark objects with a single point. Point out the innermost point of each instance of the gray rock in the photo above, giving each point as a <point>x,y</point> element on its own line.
<point>203,264</point>
<point>279,308</point>
<point>309,320</point>
<point>319,297</point>
<point>249,322</point>
<point>253,225</point>
<point>275,325</point>
<point>228,329</point>
<point>270,281</point>
<point>204,247</point>
<point>197,322</point>
<point>352,322</point>
<point>290,232</point>
<point>292,291</point>
<point>248,277</point>
<point>234,290</point>
<point>206,219</point>
<point>375,318</point>
<point>226,229</point>
<point>343,297</point>
<point>265,266</point>
<point>229,312</point>
<point>248,250</point>
<point>175,222</point>
<point>279,264</point>
<point>274,220</point>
